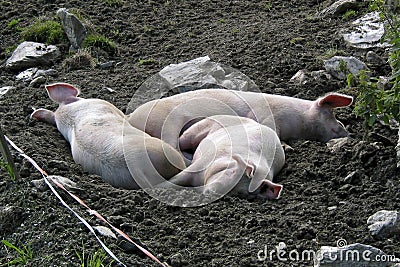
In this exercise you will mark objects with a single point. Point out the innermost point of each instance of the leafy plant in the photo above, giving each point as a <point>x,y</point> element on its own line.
<point>24,255</point>
<point>44,31</point>
<point>375,101</point>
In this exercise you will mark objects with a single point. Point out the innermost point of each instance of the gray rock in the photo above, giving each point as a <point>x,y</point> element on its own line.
<point>352,65</point>
<point>199,73</point>
<point>384,223</point>
<point>40,184</point>
<point>30,54</point>
<point>67,183</point>
<point>26,75</point>
<point>304,76</point>
<point>73,27</point>
<point>5,89</point>
<point>338,8</point>
<point>353,255</point>
<point>367,33</point>
<point>374,60</point>
<point>300,77</point>
<point>335,145</point>
<point>49,72</point>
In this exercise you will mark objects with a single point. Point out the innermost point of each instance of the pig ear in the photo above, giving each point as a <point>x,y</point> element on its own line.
<point>45,115</point>
<point>62,92</point>
<point>335,100</point>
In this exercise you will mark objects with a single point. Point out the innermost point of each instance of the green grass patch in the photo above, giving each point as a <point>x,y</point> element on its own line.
<point>99,41</point>
<point>23,255</point>
<point>45,31</point>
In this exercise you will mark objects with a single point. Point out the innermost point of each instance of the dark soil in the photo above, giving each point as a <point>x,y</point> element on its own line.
<point>255,37</point>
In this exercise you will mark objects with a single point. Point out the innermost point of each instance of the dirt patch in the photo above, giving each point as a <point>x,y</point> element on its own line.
<point>318,207</point>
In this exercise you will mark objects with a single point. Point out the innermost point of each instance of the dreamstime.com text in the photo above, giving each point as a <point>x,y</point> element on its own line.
<point>283,254</point>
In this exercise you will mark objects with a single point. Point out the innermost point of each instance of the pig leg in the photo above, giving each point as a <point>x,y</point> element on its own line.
<point>45,115</point>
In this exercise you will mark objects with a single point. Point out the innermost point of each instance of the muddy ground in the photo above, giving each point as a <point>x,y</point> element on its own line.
<point>255,37</point>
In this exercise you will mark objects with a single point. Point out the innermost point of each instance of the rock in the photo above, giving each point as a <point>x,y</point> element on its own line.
<point>30,54</point>
<point>384,223</point>
<point>40,184</point>
<point>303,76</point>
<point>26,75</point>
<point>67,183</point>
<point>49,72</point>
<point>107,65</point>
<point>374,60</point>
<point>73,27</point>
<point>300,77</point>
<point>5,89</point>
<point>367,33</point>
<point>38,81</point>
<point>336,69</point>
<point>105,231</point>
<point>198,73</point>
<point>335,145</point>
<point>352,177</point>
<point>338,8</point>
<point>353,255</point>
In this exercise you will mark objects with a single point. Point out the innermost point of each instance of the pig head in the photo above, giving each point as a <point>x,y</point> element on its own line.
<point>104,143</point>
<point>290,117</point>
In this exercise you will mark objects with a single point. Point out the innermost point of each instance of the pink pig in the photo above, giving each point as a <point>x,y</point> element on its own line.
<point>232,153</point>
<point>103,142</point>
<point>291,118</point>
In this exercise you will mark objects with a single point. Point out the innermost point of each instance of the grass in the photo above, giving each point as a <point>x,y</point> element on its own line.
<point>45,31</point>
<point>99,41</point>
<point>81,59</point>
<point>24,254</point>
<point>148,61</point>
<point>96,259</point>
<point>13,24</point>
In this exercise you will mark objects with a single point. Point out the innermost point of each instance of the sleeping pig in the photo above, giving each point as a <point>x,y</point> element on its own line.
<point>231,152</point>
<point>101,140</point>
<point>291,118</point>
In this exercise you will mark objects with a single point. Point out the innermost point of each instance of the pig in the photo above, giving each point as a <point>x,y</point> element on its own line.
<point>105,144</point>
<point>290,117</point>
<point>231,153</point>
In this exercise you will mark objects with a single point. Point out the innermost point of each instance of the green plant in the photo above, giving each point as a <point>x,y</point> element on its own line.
<point>99,41</point>
<point>146,61</point>
<point>8,167</point>
<point>96,259</point>
<point>13,24</point>
<point>375,101</point>
<point>349,14</point>
<point>44,31</point>
<point>24,255</point>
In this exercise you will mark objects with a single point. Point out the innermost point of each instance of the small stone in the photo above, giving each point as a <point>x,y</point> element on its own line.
<point>338,8</point>
<point>352,65</point>
<point>332,208</point>
<point>5,89</point>
<point>374,60</point>
<point>352,178</point>
<point>107,65</point>
<point>105,231</point>
<point>38,81</point>
<point>384,223</point>
<point>300,77</point>
<point>40,184</point>
<point>67,183</point>
<point>26,75</point>
<point>335,145</point>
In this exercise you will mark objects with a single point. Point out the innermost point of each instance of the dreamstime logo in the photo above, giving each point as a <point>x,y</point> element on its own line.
<point>167,121</point>
<point>342,253</point>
